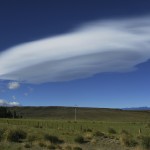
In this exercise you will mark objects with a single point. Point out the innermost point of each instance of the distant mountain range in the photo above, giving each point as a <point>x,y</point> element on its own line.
<point>137,108</point>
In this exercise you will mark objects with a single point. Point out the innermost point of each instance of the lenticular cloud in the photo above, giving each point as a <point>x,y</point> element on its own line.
<point>95,47</point>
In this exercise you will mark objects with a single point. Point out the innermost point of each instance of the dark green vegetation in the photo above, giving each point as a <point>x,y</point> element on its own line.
<point>6,113</point>
<point>54,128</point>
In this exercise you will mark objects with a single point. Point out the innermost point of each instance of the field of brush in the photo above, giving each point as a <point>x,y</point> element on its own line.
<point>43,128</point>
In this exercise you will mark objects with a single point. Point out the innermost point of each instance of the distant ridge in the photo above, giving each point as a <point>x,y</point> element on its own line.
<point>82,113</point>
<point>137,108</point>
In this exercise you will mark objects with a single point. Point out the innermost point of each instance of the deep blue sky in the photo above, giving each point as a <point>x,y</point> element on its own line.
<point>29,20</point>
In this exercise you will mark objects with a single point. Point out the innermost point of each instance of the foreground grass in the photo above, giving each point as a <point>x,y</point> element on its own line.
<point>70,135</point>
<point>44,128</point>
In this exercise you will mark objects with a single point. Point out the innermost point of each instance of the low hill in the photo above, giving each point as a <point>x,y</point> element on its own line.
<point>68,113</point>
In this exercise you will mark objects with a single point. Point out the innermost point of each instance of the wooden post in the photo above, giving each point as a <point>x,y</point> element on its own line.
<point>140,131</point>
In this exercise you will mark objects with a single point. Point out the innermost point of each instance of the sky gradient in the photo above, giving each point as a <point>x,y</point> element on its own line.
<point>90,53</point>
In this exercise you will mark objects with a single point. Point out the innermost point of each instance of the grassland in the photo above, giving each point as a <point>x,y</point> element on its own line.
<point>95,129</point>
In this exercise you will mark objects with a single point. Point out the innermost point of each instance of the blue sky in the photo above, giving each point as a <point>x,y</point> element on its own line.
<point>90,53</point>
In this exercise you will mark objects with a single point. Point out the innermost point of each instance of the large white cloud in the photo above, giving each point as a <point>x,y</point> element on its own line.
<point>100,46</point>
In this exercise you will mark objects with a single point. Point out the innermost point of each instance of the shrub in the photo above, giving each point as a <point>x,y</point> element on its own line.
<point>111,137</point>
<point>16,135</point>
<point>27,145</point>
<point>132,143</point>
<point>42,144</point>
<point>79,139</point>
<point>88,136</point>
<point>127,140</point>
<point>111,131</point>
<point>52,139</point>
<point>77,148</point>
<point>98,133</point>
<point>88,130</point>
<point>146,142</point>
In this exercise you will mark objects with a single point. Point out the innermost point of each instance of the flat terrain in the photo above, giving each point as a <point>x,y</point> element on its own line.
<point>95,129</point>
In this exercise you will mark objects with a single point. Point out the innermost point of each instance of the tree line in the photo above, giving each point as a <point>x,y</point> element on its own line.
<point>6,113</point>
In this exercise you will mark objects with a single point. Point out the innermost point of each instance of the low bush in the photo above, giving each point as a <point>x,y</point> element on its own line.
<point>139,137</point>
<point>146,142</point>
<point>53,139</point>
<point>42,144</point>
<point>88,136</point>
<point>88,130</point>
<point>111,131</point>
<point>127,140</point>
<point>16,135</point>
<point>98,133</point>
<point>79,139</point>
<point>27,145</point>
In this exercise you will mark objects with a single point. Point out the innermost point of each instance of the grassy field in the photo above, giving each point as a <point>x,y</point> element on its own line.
<point>95,129</point>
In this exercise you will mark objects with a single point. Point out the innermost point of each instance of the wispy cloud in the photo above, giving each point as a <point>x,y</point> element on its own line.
<point>26,94</point>
<point>13,85</point>
<point>96,47</point>
<point>6,103</point>
<point>30,89</point>
<point>14,97</point>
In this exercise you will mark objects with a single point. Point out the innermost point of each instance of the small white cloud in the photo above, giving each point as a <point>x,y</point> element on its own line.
<point>6,103</point>
<point>13,104</point>
<point>13,85</point>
